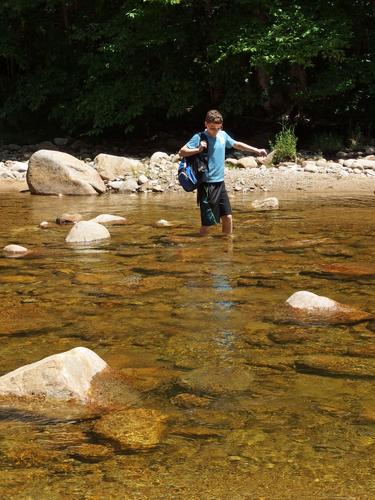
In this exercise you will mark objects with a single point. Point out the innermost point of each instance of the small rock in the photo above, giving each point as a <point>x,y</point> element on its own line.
<point>68,218</point>
<point>130,185</point>
<point>158,157</point>
<point>307,308</point>
<point>162,223</point>
<point>109,219</point>
<point>142,179</point>
<point>44,224</point>
<point>311,301</point>
<point>15,249</point>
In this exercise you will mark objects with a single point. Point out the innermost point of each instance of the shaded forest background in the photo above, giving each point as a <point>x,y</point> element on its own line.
<point>130,69</point>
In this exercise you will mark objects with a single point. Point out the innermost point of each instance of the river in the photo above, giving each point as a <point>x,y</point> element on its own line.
<point>160,303</point>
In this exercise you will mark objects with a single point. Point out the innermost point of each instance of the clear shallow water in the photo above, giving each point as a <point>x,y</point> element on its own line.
<point>163,302</point>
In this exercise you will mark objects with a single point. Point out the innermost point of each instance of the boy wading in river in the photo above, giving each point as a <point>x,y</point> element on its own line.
<point>212,195</point>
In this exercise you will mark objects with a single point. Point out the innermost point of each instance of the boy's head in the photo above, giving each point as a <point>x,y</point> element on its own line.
<point>213,122</point>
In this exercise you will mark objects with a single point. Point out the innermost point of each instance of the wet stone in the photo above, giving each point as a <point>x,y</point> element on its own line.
<point>290,337</point>
<point>366,416</point>
<point>342,272</point>
<point>88,452</point>
<point>336,366</point>
<point>138,429</point>
<point>186,400</point>
<point>343,315</point>
<point>218,380</point>
<point>362,351</point>
<point>198,432</point>
<point>68,218</point>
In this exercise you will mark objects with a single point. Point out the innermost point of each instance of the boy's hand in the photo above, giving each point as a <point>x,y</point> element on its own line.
<point>202,146</point>
<point>262,152</point>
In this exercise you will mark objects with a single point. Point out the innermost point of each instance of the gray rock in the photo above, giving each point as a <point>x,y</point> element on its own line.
<point>159,157</point>
<point>311,167</point>
<point>247,162</point>
<point>53,172</point>
<point>142,179</point>
<point>128,186</point>
<point>110,167</point>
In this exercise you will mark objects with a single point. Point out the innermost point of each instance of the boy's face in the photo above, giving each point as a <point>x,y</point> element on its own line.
<point>213,128</point>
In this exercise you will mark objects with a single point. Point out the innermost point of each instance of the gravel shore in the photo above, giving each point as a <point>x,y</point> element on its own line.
<point>158,174</point>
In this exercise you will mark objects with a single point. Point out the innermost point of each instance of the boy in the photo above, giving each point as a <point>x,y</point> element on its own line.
<point>212,195</point>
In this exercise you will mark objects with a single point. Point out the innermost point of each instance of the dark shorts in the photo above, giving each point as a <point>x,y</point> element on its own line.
<point>214,202</point>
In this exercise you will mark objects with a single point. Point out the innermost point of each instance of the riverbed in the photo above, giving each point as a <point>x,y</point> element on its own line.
<point>161,303</point>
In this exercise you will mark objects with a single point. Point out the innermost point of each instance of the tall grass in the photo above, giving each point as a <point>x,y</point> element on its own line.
<point>285,145</point>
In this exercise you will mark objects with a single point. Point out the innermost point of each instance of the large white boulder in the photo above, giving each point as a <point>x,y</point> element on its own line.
<point>53,172</point>
<point>86,232</point>
<point>311,301</point>
<point>63,376</point>
<point>110,167</point>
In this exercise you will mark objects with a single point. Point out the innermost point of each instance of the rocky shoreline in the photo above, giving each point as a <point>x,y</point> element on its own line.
<point>350,172</point>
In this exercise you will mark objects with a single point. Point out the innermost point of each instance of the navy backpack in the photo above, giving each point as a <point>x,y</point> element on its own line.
<point>192,168</point>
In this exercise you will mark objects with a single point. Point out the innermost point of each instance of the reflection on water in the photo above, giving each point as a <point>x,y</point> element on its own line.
<point>161,303</point>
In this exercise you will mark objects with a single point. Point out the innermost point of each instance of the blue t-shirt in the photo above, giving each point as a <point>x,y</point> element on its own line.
<point>216,154</point>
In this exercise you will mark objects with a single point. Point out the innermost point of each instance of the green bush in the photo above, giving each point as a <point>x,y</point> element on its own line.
<point>285,145</point>
<point>327,142</point>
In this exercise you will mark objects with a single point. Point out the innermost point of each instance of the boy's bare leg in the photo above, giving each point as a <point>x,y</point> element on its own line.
<point>227,224</point>
<point>204,230</point>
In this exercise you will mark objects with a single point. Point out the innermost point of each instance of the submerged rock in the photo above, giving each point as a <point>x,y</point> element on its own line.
<point>63,376</point>
<point>53,172</point>
<point>336,366</point>
<point>218,380</point>
<point>186,400</point>
<point>135,429</point>
<point>343,271</point>
<point>308,308</point>
<point>266,204</point>
<point>86,232</point>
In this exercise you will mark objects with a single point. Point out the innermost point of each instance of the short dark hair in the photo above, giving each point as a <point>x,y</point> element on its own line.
<point>214,116</point>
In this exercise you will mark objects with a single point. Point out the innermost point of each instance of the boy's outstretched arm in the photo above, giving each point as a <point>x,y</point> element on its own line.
<point>250,149</point>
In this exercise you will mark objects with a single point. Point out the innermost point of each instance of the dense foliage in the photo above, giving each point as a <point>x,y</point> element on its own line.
<point>98,67</point>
